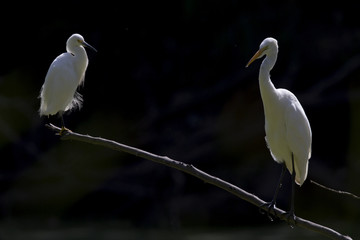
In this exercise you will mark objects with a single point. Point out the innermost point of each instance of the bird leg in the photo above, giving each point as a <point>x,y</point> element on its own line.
<point>290,215</point>
<point>270,205</point>
<point>63,128</point>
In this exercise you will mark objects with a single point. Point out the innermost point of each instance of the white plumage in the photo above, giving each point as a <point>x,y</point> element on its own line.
<point>66,73</point>
<point>288,133</point>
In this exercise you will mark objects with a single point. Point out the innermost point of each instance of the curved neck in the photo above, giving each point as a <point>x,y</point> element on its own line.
<point>80,54</point>
<point>267,88</point>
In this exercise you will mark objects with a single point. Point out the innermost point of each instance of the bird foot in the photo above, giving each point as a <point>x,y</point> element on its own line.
<point>269,206</point>
<point>63,131</point>
<point>290,218</point>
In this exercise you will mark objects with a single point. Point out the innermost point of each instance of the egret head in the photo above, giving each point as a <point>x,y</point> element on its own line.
<point>269,45</point>
<point>76,40</point>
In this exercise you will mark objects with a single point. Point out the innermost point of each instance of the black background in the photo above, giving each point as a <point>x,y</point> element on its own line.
<point>169,77</point>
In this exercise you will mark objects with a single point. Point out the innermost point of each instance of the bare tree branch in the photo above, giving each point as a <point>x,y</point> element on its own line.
<point>190,169</point>
<point>336,191</point>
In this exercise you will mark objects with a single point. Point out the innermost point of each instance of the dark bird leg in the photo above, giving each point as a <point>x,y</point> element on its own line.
<point>270,205</point>
<point>63,128</point>
<point>62,120</point>
<point>290,215</point>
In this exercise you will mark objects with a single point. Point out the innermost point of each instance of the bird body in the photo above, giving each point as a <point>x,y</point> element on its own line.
<point>58,93</point>
<point>59,90</point>
<point>295,140</point>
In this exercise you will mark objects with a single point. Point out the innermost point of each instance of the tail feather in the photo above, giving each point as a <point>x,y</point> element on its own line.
<point>76,102</point>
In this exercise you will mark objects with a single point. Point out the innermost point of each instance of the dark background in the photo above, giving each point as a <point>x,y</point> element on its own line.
<point>169,77</point>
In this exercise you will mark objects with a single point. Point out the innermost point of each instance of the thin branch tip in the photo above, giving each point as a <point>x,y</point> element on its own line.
<point>51,126</point>
<point>336,191</point>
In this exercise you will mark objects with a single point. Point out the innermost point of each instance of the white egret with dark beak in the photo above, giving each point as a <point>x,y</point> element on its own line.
<point>66,73</point>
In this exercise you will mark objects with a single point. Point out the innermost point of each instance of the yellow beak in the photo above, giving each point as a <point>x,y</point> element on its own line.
<point>256,56</point>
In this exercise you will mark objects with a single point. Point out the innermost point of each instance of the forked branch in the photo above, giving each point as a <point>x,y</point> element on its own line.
<point>192,170</point>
